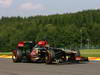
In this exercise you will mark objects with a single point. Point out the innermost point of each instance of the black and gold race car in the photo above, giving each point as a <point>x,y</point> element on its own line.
<point>34,52</point>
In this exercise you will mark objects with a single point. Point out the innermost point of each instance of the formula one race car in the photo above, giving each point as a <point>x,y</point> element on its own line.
<point>25,53</point>
<point>21,53</point>
<point>51,55</point>
<point>41,52</point>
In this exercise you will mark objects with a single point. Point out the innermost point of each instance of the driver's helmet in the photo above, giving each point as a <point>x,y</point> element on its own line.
<point>21,44</point>
<point>42,43</point>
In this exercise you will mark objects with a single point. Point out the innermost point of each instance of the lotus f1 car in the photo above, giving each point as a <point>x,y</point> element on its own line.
<point>41,52</point>
<point>22,51</point>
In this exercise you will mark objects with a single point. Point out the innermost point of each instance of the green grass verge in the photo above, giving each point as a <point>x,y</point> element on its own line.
<point>5,53</point>
<point>90,52</point>
<point>84,52</point>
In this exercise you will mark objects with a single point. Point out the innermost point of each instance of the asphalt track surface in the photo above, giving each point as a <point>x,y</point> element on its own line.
<point>7,67</point>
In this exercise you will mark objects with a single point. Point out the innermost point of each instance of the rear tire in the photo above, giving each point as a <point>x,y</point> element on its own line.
<point>16,56</point>
<point>49,57</point>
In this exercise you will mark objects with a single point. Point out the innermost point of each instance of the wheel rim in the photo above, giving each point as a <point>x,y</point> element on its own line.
<point>14,57</point>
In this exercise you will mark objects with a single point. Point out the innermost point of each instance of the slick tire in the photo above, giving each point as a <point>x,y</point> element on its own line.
<point>16,56</point>
<point>49,57</point>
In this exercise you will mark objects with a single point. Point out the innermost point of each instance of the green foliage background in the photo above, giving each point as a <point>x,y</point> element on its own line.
<point>61,30</point>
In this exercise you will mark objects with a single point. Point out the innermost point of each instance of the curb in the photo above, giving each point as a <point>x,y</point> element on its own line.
<point>5,56</point>
<point>90,58</point>
<point>94,58</point>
